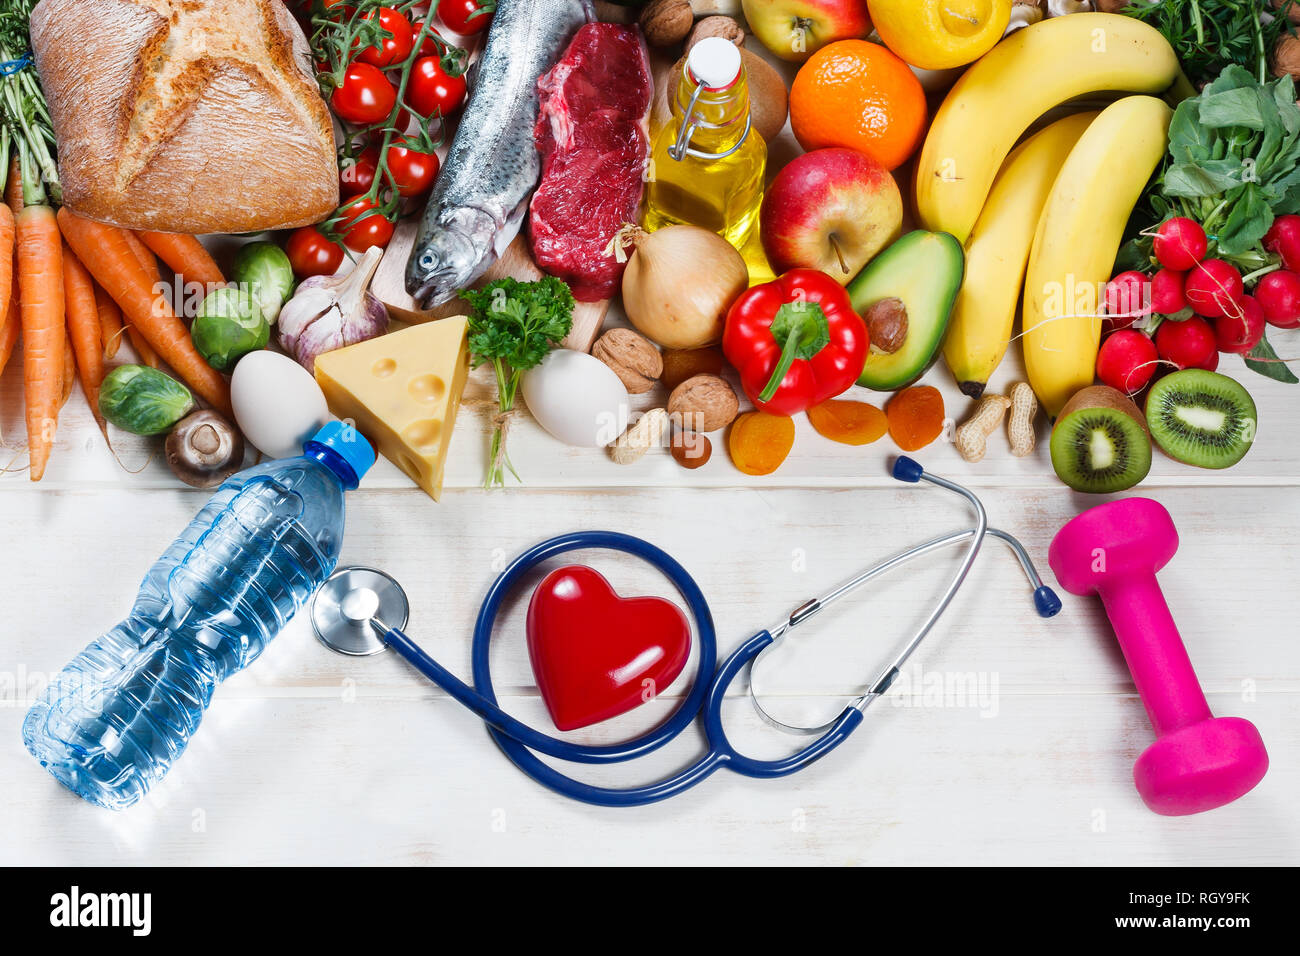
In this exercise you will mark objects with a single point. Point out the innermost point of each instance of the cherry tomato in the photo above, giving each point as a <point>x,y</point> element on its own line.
<point>427,46</point>
<point>466,17</point>
<point>361,227</point>
<point>311,254</point>
<point>432,89</point>
<point>365,97</point>
<point>396,44</point>
<point>413,171</point>
<point>357,177</point>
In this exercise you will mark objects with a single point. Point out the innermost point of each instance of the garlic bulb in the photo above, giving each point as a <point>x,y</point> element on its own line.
<point>330,312</point>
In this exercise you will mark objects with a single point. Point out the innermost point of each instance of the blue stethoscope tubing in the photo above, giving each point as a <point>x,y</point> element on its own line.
<point>523,744</point>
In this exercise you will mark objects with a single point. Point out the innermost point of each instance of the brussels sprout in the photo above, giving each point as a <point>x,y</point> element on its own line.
<point>228,326</point>
<point>143,400</point>
<point>264,269</point>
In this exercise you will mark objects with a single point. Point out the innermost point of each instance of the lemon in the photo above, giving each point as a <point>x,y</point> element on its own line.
<point>940,34</point>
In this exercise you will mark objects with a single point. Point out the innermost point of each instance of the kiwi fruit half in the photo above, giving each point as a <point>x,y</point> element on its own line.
<point>1201,418</point>
<point>1100,442</point>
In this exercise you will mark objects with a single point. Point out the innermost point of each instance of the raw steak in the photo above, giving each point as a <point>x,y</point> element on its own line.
<point>591,134</point>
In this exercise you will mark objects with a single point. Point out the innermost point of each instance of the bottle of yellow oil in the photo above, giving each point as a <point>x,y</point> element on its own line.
<point>708,162</point>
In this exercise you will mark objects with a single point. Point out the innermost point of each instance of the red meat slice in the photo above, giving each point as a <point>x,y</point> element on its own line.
<point>591,134</point>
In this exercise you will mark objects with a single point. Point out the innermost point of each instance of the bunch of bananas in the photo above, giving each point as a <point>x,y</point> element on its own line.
<point>1050,216</point>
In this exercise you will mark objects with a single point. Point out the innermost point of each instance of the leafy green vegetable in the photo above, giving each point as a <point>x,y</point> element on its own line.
<point>1233,165</point>
<point>1264,360</point>
<point>514,325</point>
<point>25,125</point>
<point>143,400</point>
<point>263,269</point>
<point>1209,35</point>
<point>228,326</point>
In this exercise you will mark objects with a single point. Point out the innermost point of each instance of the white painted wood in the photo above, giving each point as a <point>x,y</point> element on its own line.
<point>311,757</point>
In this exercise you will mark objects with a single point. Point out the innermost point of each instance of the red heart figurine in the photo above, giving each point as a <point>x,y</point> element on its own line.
<point>595,654</point>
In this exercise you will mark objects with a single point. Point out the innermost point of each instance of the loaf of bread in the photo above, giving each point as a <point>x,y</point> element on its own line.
<point>193,116</point>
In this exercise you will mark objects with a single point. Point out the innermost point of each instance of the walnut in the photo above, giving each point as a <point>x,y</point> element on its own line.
<point>1286,56</point>
<point>724,27</point>
<point>887,325</point>
<point>666,22</point>
<point>635,361</point>
<point>704,403</point>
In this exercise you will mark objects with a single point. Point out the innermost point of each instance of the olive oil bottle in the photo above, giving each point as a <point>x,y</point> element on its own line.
<point>708,162</point>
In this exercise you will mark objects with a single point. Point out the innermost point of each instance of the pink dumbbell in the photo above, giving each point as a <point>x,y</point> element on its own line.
<point>1199,761</point>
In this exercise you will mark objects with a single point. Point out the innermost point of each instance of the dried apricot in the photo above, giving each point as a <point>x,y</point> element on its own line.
<point>915,417</point>
<point>759,442</point>
<point>847,422</point>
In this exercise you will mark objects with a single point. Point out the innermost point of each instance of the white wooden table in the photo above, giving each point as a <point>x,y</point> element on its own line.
<point>1008,740</point>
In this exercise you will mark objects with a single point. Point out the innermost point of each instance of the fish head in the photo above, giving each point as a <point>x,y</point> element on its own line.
<point>451,255</point>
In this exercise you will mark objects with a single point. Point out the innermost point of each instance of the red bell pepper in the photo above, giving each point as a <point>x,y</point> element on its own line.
<point>796,341</point>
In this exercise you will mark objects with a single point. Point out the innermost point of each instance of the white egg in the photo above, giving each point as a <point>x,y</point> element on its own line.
<point>577,398</point>
<point>277,403</point>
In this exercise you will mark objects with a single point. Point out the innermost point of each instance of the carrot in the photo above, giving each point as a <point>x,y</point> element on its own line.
<point>148,261</point>
<point>150,265</point>
<point>40,283</point>
<point>14,187</point>
<point>10,326</point>
<point>83,328</point>
<point>6,258</point>
<point>69,379</point>
<point>110,322</point>
<point>186,257</point>
<point>143,350</point>
<point>106,252</point>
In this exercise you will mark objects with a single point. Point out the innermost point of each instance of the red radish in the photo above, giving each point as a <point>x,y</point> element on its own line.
<point>1241,333</point>
<point>1279,296</point>
<point>1127,360</point>
<point>1167,296</point>
<point>1179,243</point>
<point>1211,364</point>
<point>1284,239</point>
<point>1187,344</point>
<point>1127,299</point>
<point>1213,288</point>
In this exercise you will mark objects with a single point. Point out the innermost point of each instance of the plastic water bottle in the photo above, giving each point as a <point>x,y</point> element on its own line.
<point>117,717</point>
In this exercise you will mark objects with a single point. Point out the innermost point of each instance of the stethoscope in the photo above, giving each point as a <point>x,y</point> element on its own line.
<point>354,611</point>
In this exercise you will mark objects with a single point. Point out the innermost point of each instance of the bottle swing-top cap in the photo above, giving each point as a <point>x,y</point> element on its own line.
<point>714,62</point>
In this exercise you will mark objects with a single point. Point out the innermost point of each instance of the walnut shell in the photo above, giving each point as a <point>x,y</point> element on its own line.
<point>634,359</point>
<point>716,26</point>
<point>704,403</point>
<point>666,22</point>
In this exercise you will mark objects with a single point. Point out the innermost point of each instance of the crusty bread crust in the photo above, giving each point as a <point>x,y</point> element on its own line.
<point>193,116</point>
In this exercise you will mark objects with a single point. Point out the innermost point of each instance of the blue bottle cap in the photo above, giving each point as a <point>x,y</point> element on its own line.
<point>339,443</point>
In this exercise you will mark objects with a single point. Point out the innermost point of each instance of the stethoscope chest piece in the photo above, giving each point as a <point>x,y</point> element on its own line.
<point>348,609</point>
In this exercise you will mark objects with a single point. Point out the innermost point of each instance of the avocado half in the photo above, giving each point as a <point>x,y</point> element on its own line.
<point>924,271</point>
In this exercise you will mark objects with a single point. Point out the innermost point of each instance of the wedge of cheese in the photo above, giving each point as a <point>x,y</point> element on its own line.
<point>402,391</point>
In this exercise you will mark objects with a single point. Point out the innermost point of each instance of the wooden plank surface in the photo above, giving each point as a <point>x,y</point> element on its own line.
<point>1010,740</point>
<point>1024,756</point>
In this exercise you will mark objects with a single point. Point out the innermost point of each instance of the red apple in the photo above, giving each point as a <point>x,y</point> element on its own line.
<point>831,209</point>
<point>796,29</point>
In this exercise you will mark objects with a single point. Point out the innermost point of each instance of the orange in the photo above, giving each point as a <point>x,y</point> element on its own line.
<point>859,95</point>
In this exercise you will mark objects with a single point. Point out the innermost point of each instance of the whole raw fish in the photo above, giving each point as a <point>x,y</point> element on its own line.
<point>480,198</point>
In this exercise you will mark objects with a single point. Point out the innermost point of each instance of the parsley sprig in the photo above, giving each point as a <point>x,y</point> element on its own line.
<point>514,325</point>
<point>1208,35</point>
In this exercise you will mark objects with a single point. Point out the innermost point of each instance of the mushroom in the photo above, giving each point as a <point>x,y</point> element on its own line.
<point>203,449</point>
<point>1023,14</point>
<point>1061,8</point>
